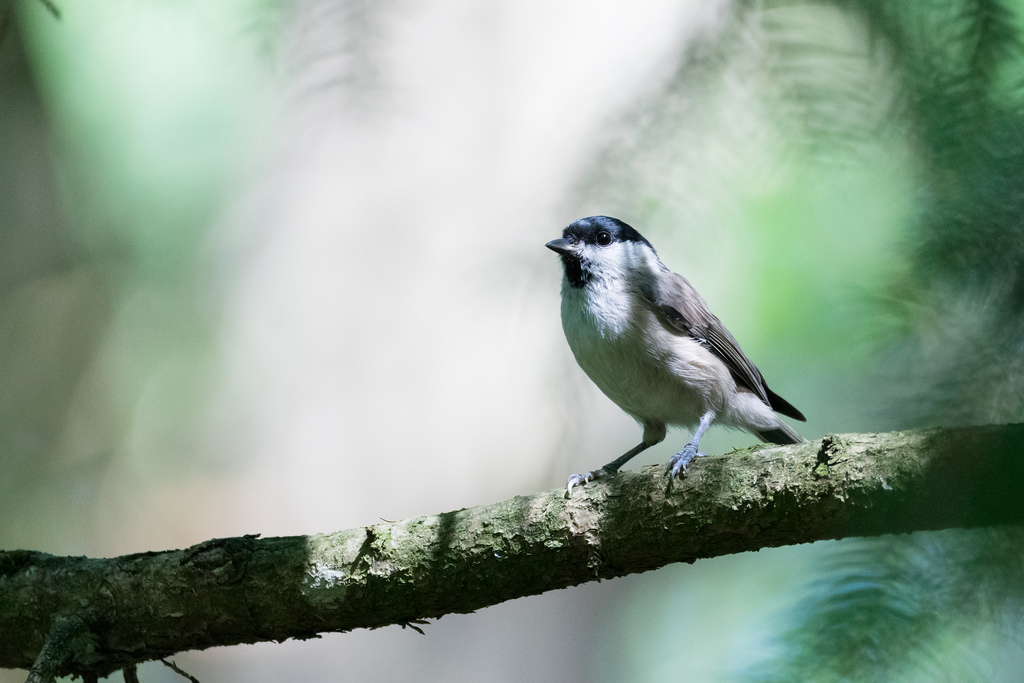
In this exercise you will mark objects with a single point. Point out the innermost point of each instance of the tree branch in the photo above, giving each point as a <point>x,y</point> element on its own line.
<point>147,606</point>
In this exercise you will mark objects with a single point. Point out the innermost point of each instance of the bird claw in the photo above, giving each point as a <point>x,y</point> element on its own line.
<point>680,460</point>
<point>582,479</point>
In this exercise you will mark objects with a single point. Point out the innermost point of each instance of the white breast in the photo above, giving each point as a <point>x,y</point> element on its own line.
<point>653,376</point>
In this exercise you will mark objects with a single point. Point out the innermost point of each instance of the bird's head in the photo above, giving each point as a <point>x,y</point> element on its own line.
<point>601,247</point>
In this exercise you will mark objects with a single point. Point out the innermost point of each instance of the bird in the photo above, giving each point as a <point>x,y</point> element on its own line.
<point>650,343</point>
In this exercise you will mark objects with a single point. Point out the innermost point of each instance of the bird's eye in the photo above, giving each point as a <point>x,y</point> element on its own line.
<point>604,238</point>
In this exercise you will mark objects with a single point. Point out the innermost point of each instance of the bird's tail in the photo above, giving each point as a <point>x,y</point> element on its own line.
<point>783,434</point>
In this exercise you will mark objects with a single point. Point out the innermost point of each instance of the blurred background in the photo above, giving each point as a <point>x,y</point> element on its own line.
<point>278,268</point>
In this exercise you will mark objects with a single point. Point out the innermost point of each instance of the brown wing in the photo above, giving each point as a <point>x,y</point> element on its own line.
<point>681,309</point>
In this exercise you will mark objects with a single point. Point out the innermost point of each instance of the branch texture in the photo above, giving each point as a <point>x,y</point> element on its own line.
<point>147,606</point>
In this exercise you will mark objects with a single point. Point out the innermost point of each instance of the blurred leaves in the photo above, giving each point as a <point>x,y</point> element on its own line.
<point>962,352</point>
<point>116,151</point>
<point>922,607</point>
<point>961,69</point>
<point>896,608</point>
<point>54,308</point>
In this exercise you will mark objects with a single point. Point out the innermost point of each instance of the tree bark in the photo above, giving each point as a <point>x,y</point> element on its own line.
<point>85,616</point>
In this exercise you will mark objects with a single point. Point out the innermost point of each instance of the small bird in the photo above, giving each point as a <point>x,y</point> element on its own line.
<point>648,340</point>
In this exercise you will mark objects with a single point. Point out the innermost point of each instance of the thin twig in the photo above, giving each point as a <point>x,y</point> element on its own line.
<point>179,671</point>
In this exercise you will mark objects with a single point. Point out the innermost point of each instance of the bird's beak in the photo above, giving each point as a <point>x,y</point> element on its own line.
<point>562,245</point>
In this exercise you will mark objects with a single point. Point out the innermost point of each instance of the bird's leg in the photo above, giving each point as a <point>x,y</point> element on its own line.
<point>653,434</point>
<point>610,468</point>
<point>681,459</point>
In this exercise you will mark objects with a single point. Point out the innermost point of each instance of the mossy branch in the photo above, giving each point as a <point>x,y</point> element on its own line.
<point>78,615</point>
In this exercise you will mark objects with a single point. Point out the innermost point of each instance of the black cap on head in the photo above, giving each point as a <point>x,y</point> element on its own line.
<point>587,230</point>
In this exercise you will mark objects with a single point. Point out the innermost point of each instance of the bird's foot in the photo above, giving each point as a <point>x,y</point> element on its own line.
<point>680,460</point>
<point>583,479</point>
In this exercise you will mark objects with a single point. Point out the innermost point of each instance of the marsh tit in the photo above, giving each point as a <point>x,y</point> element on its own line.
<point>648,340</point>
